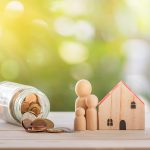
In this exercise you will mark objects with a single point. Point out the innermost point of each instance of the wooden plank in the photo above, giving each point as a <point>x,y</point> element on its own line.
<point>84,135</point>
<point>77,145</point>
<point>13,137</point>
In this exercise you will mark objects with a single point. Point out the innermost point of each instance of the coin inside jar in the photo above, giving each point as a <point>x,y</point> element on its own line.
<point>24,107</point>
<point>31,103</point>
<point>34,107</point>
<point>32,98</point>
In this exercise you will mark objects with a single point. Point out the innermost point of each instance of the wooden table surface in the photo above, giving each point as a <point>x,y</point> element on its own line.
<point>14,137</point>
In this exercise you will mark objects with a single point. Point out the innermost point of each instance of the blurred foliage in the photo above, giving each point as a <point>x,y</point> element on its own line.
<point>51,44</point>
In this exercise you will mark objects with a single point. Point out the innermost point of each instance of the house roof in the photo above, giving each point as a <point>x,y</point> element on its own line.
<point>121,82</point>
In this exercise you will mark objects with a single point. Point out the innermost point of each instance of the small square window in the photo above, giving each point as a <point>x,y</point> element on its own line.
<point>109,122</point>
<point>133,105</point>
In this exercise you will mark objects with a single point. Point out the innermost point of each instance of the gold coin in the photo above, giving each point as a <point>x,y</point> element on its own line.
<point>49,123</point>
<point>33,130</point>
<point>31,98</point>
<point>24,107</point>
<point>39,128</point>
<point>54,130</point>
<point>39,122</point>
<point>34,107</point>
<point>36,111</point>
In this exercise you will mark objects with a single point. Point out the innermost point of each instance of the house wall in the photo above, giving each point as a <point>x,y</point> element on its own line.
<point>104,112</point>
<point>117,106</point>
<point>135,118</point>
<point>115,111</point>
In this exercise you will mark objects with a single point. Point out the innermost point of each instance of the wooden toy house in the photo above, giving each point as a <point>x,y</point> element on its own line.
<point>121,109</point>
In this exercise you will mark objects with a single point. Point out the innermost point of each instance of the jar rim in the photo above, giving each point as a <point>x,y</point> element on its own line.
<point>45,105</point>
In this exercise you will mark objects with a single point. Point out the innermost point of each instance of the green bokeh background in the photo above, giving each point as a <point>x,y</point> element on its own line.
<point>50,44</point>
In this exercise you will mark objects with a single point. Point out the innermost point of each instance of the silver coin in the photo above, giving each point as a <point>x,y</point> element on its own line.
<point>28,115</point>
<point>65,129</point>
<point>54,130</point>
<point>59,130</point>
<point>26,123</point>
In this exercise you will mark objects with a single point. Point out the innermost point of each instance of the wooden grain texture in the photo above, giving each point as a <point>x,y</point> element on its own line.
<point>120,114</point>
<point>104,112</point>
<point>13,137</point>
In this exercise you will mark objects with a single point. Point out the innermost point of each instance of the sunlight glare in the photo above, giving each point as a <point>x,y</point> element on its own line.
<point>15,6</point>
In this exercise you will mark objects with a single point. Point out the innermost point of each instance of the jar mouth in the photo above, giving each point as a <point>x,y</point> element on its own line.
<point>42,98</point>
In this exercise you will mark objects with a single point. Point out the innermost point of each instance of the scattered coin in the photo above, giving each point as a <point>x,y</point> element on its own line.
<point>39,122</point>
<point>39,128</point>
<point>41,125</point>
<point>49,123</point>
<point>37,125</point>
<point>67,130</point>
<point>32,120</point>
<point>33,130</point>
<point>55,130</point>
<point>26,123</point>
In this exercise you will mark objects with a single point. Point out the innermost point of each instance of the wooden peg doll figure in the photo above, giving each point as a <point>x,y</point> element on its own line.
<point>80,121</point>
<point>91,112</point>
<point>83,89</point>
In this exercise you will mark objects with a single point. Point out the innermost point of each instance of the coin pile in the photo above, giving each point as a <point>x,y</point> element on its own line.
<point>31,118</point>
<point>31,103</point>
<point>33,124</point>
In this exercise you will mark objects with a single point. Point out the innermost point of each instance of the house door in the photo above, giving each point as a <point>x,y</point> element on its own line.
<point>122,125</point>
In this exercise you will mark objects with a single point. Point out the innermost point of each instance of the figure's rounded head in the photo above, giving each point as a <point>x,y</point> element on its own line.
<point>80,111</point>
<point>83,88</point>
<point>92,101</point>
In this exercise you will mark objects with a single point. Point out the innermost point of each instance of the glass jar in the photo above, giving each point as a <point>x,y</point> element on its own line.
<point>12,96</point>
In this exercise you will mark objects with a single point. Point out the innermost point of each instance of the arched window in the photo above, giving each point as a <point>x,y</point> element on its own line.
<point>109,122</point>
<point>133,105</point>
